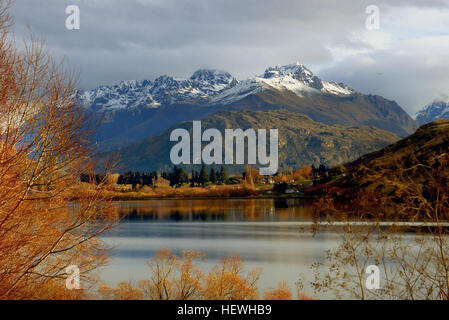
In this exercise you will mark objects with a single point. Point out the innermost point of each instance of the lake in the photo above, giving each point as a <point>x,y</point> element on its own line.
<point>266,233</point>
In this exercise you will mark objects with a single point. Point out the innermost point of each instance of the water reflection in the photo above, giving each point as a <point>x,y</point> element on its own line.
<point>264,232</point>
<point>215,210</point>
<point>269,233</point>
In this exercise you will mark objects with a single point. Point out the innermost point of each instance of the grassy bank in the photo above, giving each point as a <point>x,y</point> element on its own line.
<point>186,192</point>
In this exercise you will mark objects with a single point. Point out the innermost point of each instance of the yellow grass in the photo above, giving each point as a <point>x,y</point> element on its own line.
<point>120,192</point>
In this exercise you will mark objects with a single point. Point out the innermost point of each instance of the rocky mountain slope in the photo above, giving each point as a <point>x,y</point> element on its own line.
<point>406,181</point>
<point>302,141</point>
<point>406,167</point>
<point>349,110</point>
<point>424,147</point>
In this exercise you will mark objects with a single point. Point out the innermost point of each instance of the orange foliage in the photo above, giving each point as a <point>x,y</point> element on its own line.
<point>43,151</point>
<point>180,278</point>
<point>173,277</point>
<point>125,291</point>
<point>226,281</point>
<point>281,292</point>
<point>216,191</point>
<point>304,172</point>
<point>302,296</point>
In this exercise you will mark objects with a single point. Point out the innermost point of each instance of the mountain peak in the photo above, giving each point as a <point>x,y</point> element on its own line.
<point>288,69</point>
<point>436,110</point>
<point>209,74</point>
<point>211,81</point>
<point>296,71</point>
<point>165,80</point>
<point>443,98</point>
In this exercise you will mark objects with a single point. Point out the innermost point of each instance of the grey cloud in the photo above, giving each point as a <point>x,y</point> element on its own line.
<point>141,39</point>
<point>405,74</point>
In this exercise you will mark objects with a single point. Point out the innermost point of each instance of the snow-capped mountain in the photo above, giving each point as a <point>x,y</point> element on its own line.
<point>293,77</point>
<point>134,110</point>
<point>207,87</point>
<point>437,110</point>
<point>164,90</point>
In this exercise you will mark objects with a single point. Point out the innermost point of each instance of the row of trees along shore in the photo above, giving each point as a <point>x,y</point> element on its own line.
<point>176,178</point>
<point>179,176</point>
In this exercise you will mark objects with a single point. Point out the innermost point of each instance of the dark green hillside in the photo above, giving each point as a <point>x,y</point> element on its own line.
<point>302,141</point>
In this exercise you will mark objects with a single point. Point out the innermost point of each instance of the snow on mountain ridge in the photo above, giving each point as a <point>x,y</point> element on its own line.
<point>296,71</point>
<point>164,90</point>
<point>436,110</point>
<point>292,77</point>
<point>207,86</point>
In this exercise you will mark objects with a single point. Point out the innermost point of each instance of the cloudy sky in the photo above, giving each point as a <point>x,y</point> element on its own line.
<point>407,59</point>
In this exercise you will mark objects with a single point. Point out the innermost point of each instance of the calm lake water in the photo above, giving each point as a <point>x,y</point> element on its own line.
<point>266,233</point>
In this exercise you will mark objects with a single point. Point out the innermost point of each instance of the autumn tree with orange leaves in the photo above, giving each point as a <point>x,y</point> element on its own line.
<point>281,292</point>
<point>180,278</point>
<point>228,282</point>
<point>44,138</point>
<point>175,277</point>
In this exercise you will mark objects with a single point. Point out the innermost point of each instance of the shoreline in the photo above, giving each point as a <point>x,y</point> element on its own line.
<point>124,198</point>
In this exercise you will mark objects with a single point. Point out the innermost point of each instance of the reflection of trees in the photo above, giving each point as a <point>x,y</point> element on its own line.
<point>280,203</point>
<point>213,210</point>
